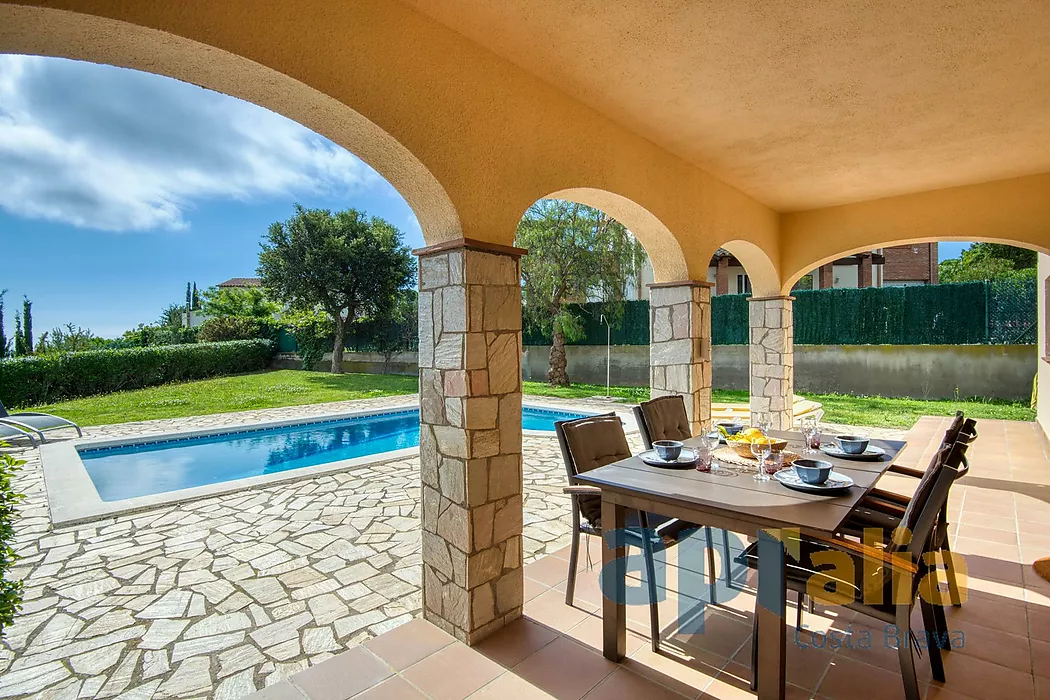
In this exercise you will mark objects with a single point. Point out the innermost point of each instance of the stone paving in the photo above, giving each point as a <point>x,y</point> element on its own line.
<point>221,596</point>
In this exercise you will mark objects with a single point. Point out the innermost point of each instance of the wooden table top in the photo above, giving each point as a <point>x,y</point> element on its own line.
<point>739,495</point>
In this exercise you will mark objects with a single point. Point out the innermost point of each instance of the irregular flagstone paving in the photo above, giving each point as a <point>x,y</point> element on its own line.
<point>219,597</point>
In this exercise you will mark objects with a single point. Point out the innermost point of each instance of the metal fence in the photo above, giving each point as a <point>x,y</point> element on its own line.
<point>1001,312</point>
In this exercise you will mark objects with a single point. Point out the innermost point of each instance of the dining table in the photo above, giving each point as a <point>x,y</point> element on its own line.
<point>731,499</point>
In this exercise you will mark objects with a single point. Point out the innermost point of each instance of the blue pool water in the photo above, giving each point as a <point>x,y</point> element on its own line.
<point>170,465</point>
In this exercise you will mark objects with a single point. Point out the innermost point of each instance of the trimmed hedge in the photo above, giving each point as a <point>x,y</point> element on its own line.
<point>27,381</point>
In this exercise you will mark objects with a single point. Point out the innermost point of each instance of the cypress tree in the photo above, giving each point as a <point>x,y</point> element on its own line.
<point>20,348</point>
<point>27,325</point>
<point>3,335</point>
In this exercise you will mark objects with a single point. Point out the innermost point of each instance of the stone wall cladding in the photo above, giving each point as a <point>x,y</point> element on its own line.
<point>772,356</point>
<point>680,346</point>
<point>470,440</point>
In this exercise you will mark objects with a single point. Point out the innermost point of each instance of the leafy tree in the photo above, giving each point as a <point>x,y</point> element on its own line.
<point>246,303</point>
<point>313,329</point>
<point>348,264</point>
<point>171,317</point>
<point>27,325</point>
<point>988,261</point>
<point>395,331</point>
<point>4,344</point>
<point>71,338</point>
<point>574,251</point>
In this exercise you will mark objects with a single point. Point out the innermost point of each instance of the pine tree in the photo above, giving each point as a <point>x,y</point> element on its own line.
<point>27,325</point>
<point>20,348</point>
<point>196,298</point>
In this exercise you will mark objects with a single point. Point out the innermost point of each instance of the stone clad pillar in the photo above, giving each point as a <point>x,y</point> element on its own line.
<point>470,436</point>
<point>772,356</point>
<point>680,345</point>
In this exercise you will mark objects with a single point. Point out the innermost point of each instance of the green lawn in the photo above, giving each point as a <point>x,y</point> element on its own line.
<point>293,388</point>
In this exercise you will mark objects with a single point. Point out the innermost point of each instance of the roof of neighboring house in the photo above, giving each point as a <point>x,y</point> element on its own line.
<point>242,282</point>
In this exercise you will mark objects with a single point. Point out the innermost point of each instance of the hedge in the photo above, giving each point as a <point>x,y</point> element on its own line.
<point>39,379</point>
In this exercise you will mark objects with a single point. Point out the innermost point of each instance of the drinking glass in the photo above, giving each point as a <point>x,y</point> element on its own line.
<point>761,450</point>
<point>704,457</point>
<point>805,427</point>
<point>813,439</point>
<point>775,463</point>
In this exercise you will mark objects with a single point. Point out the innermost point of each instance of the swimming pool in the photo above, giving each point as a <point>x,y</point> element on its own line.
<point>121,472</point>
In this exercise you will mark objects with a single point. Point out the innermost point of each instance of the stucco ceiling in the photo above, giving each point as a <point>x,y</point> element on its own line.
<point>800,104</point>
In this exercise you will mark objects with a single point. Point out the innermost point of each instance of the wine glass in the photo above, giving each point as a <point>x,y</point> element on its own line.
<point>761,449</point>
<point>711,440</point>
<point>806,427</point>
<point>762,422</point>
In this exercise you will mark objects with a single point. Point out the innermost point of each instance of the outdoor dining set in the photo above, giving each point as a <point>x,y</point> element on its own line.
<point>810,518</point>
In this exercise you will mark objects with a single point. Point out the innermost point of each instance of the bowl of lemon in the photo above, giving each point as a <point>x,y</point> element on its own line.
<point>742,441</point>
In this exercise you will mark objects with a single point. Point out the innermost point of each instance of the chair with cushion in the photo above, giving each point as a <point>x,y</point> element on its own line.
<point>665,418</point>
<point>883,509</point>
<point>589,443</point>
<point>885,580</point>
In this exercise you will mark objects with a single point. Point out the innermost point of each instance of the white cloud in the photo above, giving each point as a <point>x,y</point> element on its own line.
<point>114,149</point>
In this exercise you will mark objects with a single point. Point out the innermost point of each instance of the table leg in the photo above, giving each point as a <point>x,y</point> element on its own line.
<point>614,582</point>
<point>772,604</point>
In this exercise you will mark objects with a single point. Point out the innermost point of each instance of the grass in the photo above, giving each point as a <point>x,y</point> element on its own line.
<point>278,388</point>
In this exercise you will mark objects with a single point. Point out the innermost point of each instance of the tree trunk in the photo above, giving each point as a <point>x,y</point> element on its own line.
<point>337,346</point>
<point>557,374</point>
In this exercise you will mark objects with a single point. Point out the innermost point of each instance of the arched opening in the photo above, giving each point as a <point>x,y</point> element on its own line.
<point>747,269</point>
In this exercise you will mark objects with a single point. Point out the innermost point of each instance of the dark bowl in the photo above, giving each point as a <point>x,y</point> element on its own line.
<point>668,450</point>
<point>852,444</point>
<point>812,471</point>
<point>731,428</point>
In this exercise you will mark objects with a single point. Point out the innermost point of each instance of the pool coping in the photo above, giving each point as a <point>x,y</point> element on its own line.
<point>73,499</point>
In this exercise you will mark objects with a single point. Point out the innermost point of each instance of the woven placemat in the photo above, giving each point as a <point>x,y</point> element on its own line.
<point>729,456</point>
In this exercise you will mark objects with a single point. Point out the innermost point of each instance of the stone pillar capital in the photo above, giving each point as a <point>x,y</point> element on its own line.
<point>470,244</point>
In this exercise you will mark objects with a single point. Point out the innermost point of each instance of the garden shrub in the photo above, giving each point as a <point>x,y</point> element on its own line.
<point>223,328</point>
<point>27,381</point>
<point>10,591</point>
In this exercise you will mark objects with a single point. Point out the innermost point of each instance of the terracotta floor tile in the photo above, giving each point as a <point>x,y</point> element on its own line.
<point>991,550</point>
<point>686,670</point>
<point>589,634</point>
<point>1010,650</point>
<point>845,676</point>
<point>510,687</point>
<point>1042,688</point>
<point>966,674</point>
<point>534,588</point>
<point>997,522</point>
<point>806,661</point>
<point>988,534</point>
<point>516,642</point>
<point>587,589</point>
<point>622,684</point>
<point>548,570</point>
<point>565,669</point>
<point>550,609</point>
<point>342,676</point>
<point>1041,657</point>
<point>393,688</point>
<point>1039,623</point>
<point>453,673</point>
<point>994,569</point>
<point>990,611</point>
<point>409,643</point>
<point>721,634</point>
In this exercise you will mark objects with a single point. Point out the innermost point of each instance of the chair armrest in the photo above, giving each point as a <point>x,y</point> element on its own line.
<point>581,490</point>
<point>889,497</point>
<point>897,563</point>
<point>906,471</point>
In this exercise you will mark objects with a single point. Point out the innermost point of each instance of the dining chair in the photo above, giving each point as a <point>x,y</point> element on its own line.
<point>883,509</point>
<point>886,581</point>
<point>665,418</point>
<point>589,443</point>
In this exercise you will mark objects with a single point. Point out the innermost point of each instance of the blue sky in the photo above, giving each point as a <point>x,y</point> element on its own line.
<point>120,186</point>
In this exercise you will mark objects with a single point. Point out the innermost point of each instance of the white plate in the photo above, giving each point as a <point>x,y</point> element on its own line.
<point>686,459</point>
<point>836,482</point>
<point>871,454</point>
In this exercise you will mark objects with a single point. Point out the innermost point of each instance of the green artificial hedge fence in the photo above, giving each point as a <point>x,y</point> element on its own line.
<point>40,379</point>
